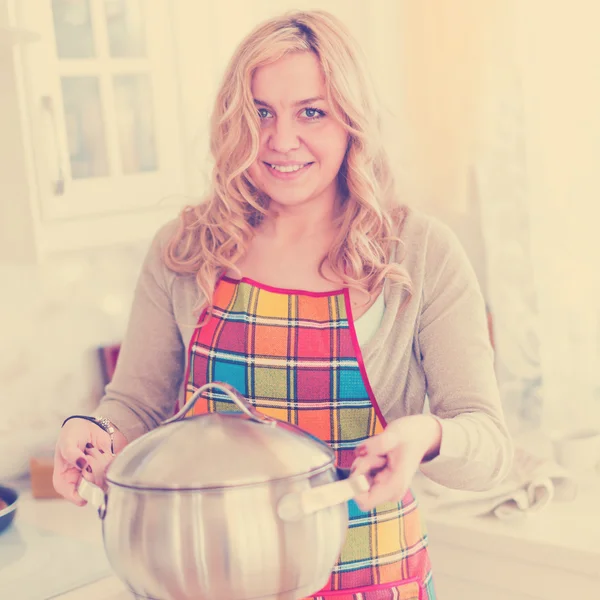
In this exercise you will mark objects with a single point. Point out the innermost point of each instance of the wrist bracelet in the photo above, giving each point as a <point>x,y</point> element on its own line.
<point>102,422</point>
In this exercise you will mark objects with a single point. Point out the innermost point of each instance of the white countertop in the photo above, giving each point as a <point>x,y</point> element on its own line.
<point>553,554</point>
<point>569,526</point>
<point>563,535</point>
<point>70,521</point>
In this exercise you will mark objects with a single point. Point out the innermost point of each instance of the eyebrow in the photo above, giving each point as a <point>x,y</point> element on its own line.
<point>299,103</point>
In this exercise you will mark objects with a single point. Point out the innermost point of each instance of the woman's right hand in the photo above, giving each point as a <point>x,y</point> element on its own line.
<point>82,450</point>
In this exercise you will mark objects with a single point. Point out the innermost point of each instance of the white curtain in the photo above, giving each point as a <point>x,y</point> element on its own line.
<point>537,173</point>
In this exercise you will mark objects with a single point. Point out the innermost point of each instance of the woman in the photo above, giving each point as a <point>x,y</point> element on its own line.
<point>303,283</point>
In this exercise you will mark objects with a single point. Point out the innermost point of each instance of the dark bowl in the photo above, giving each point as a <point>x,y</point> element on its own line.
<point>7,514</point>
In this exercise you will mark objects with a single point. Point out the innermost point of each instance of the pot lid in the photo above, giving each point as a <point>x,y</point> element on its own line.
<point>218,450</point>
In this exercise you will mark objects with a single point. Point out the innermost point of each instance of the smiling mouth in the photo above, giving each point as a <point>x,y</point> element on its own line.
<point>288,168</point>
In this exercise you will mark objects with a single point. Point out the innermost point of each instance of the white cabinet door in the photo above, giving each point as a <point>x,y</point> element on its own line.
<point>102,94</point>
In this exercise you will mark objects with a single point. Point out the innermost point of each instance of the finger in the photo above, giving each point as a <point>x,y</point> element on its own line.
<point>379,444</point>
<point>91,450</point>
<point>101,441</point>
<point>65,483</point>
<point>390,477</point>
<point>65,478</point>
<point>369,464</point>
<point>100,464</point>
<point>72,452</point>
<point>387,486</point>
<point>377,471</point>
<point>96,469</point>
<point>88,475</point>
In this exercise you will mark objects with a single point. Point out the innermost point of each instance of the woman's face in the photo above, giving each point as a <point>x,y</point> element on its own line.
<point>301,145</point>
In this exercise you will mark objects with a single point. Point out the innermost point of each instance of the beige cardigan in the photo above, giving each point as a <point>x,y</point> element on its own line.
<point>438,346</point>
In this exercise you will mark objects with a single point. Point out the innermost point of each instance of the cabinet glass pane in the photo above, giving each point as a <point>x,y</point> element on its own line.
<point>125,27</point>
<point>73,28</point>
<point>135,122</point>
<point>85,126</point>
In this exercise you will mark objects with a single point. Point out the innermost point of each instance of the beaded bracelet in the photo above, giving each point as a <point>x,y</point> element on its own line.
<point>102,422</point>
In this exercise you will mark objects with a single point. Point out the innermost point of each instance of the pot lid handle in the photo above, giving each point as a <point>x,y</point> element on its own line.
<point>237,398</point>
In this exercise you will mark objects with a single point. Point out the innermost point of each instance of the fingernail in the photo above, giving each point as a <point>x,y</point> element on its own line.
<point>360,451</point>
<point>100,450</point>
<point>88,469</point>
<point>88,445</point>
<point>80,462</point>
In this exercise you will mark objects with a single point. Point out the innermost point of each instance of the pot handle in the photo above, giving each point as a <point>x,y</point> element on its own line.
<point>94,495</point>
<point>295,505</point>
<point>241,402</point>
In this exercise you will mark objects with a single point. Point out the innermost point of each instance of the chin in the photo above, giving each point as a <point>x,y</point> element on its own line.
<point>290,199</point>
<point>287,195</point>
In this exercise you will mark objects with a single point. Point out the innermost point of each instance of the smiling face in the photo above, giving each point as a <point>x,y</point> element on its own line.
<point>301,146</point>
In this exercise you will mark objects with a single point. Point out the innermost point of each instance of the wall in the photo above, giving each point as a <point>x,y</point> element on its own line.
<point>53,318</point>
<point>427,71</point>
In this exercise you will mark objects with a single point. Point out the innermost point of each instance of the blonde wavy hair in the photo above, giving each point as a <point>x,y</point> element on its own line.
<point>213,235</point>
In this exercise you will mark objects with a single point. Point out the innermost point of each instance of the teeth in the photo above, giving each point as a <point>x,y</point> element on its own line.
<point>289,169</point>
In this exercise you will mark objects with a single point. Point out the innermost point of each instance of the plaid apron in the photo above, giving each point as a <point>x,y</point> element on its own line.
<point>295,356</point>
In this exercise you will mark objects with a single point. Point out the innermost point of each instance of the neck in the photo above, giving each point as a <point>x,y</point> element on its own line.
<point>298,223</point>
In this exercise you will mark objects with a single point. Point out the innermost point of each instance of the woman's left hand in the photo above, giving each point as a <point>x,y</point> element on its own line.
<point>394,456</point>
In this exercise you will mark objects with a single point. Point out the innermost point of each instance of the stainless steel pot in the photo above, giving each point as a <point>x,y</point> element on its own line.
<point>224,506</point>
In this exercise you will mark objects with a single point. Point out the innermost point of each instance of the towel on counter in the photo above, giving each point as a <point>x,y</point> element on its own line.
<point>531,485</point>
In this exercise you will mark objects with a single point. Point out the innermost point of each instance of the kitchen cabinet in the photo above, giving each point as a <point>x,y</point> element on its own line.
<point>94,141</point>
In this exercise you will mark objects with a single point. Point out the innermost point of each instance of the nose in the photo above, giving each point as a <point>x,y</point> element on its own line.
<point>283,136</point>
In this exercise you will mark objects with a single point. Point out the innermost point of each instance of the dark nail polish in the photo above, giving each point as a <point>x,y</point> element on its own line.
<point>100,450</point>
<point>88,445</point>
<point>80,462</point>
<point>88,469</point>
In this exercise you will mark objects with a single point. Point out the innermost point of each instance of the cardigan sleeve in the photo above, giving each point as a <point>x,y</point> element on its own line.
<point>457,358</point>
<point>143,391</point>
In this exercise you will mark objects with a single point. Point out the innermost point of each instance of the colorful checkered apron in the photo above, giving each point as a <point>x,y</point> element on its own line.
<point>296,357</point>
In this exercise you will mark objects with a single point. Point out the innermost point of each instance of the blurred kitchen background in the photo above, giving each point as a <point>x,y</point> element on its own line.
<point>492,119</point>
<point>491,113</point>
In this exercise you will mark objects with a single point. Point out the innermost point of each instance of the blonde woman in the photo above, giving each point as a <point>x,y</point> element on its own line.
<point>302,226</point>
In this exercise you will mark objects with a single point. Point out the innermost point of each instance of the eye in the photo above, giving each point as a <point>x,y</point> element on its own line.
<point>263,113</point>
<point>313,114</point>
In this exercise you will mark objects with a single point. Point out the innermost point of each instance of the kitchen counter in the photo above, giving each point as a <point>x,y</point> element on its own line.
<point>71,523</point>
<point>552,555</point>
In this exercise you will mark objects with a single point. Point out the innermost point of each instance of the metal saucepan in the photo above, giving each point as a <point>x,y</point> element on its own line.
<point>224,505</point>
